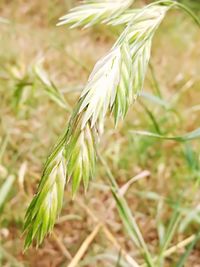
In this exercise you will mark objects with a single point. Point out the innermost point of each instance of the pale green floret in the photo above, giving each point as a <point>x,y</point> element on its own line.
<point>93,12</point>
<point>46,205</point>
<point>80,157</point>
<point>124,95</point>
<point>100,92</point>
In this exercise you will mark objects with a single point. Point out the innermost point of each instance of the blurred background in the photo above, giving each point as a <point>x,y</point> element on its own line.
<point>31,119</point>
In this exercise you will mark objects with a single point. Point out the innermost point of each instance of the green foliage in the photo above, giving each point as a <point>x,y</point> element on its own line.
<point>182,138</point>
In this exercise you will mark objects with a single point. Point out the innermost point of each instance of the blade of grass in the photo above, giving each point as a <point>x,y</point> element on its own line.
<point>50,88</point>
<point>182,138</point>
<point>178,246</point>
<point>126,256</point>
<point>189,12</point>
<point>140,176</point>
<point>132,227</point>
<point>183,258</point>
<point>175,248</point>
<point>5,189</point>
<point>85,245</point>
<point>184,89</point>
<point>175,219</point>
<point>118,263</point>
<point>173,224</point>
<point>190,216</point>
<point>155,100</point>
<point>155,82</point>
<point>3,146</point>
<point>152,117</point>
<point>61,246</point>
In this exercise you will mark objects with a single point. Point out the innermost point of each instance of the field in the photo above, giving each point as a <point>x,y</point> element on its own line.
<point>160,179</point>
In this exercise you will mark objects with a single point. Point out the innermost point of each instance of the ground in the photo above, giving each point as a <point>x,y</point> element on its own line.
<point>30,123</point>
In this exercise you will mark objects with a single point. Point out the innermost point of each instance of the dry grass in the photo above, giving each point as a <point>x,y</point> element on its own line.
<point>30,125</point>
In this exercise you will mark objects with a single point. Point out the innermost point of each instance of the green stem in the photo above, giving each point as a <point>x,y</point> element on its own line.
<point>155,81</point>
<point>152,117</point>
<point>189,12</point>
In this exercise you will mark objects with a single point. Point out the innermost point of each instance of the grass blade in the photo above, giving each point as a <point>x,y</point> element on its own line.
<point>155,82</point>
<point>50,88</point>
<point>181,138</point>
<point>3,145</point>
<point>155,100</point>
<point>173,224</point>
<point>183,258</point>
<point>152,117</point>
<point>189,12</point>
<point>5,189</point>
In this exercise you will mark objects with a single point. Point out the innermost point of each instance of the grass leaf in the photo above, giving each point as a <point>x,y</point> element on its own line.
<point>5,189</point>
<point>131,226</point>
<point>50,88</point>
<point>183,258</point>
<point>173,224</point>
<point>182,138</point>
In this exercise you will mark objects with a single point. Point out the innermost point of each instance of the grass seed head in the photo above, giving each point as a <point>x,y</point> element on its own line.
<point>115,81</point>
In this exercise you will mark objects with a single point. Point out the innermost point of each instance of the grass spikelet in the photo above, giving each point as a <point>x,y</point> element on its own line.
<point>124,94</point>
<point>47,203</point>
<point>93,12</point>
<point>80,154</point>
<point>100,92</point>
